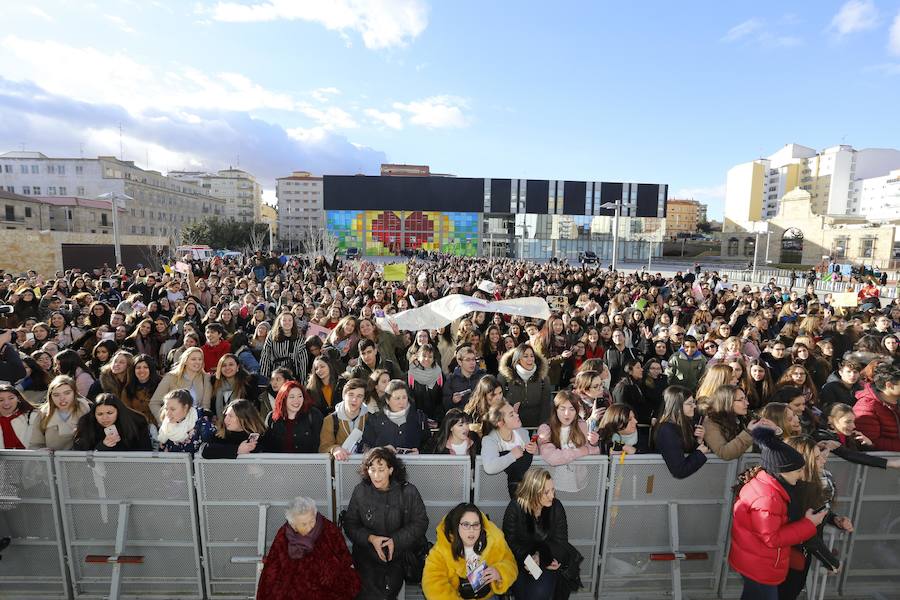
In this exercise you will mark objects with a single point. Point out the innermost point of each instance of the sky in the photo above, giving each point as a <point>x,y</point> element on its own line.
<point>652,91</point>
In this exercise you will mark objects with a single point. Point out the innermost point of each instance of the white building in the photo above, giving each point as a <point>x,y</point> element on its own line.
<point>240,190</point>
<point>160,205</point>
<point>301,206</point>
<point>754,189</point>
<point>878,197</point>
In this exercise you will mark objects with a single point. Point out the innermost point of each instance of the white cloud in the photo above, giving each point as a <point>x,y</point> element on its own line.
<point>120,23</point>
<point>436,112</point>
<point>330,118</point>
<point>393,120</point>
<point>742,30</point>
<point>322,94</point>
<point>712,196</point>
<point>40,13</point>
<point>382,23</point>
<point>894,37</point>
<point>854,16</point>
<point>884,69</point>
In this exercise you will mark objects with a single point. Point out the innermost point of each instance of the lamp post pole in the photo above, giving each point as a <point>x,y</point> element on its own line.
<point>618,208</point>
<point>113,198</point>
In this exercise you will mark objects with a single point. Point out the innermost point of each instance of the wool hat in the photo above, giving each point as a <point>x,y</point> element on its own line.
<point>777,457</point>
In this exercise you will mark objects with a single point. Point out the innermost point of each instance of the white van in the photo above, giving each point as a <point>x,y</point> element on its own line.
<point>197,252</point>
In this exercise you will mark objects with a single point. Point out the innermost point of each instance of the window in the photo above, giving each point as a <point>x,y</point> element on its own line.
<point>749,246</point>
<point>23,168</point>
<point>61,169</point>
<point>35,169</point>
<point>7,168</point>
<point>51,169</point>
<point>69,214</point>
<point>51,190</point>
<point>133,229</point>
<point>27,212</point>
<point>867,247</point>
<point>79,170</point>
<point>143,229</point>
<point>26,190</point>
<point>10,213</point>
<point>62,190</point>
<point>37,190</point>
<point>103,220</point>
<point>11,188</point>
<point>80,190</point>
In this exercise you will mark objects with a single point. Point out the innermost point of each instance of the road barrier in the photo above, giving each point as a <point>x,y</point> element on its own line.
<point>143,525</point>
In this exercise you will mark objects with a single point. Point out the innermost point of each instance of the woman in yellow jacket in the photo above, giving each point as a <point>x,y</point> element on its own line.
<point>470,559</point>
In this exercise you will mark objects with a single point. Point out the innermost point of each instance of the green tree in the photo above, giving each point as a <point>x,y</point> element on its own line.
<point>227,234</point>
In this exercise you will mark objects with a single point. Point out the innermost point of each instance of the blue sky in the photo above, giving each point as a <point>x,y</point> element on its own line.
<point>640,91</point>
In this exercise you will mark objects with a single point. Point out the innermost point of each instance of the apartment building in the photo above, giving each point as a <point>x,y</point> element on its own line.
<point>300,206</point>
<point>156,205</point>
<point>240,190</point>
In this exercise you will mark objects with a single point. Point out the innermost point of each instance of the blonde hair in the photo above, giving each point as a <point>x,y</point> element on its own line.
<point>715,377</point>
<point>58,382</point>
<point>180,368</point>
<point>531,488</point>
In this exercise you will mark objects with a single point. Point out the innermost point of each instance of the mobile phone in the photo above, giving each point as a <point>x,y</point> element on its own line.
<point>253,437</point>
<point>29,336</point>
<point>111,430</point>
<point>464,392</point>
<point>108,336</point>
<point>402,450</point>
<point>821,508</point>
<point>379,313</point>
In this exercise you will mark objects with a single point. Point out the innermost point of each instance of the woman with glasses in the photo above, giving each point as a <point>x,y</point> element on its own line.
<point>678,436</point>
<point>726,430</point>
<point>536,528</point>
<point>470,559</point>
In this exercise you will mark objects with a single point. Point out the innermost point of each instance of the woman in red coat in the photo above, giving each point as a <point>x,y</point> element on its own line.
<point>308,559</point>
<point>761,537</point>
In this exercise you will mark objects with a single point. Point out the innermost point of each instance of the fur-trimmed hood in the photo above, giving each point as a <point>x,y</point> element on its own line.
<point>508,372</point>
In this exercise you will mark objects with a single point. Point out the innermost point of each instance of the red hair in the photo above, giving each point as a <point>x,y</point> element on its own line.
<point>278,412</point>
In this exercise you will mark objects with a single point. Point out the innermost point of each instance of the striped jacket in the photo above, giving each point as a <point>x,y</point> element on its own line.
<point>290,353</point>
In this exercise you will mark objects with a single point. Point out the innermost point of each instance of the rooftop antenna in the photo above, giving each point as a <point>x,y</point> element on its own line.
<point>81,149</point>
<point>121,145</point>
<point>147,158</point>
<point>239,161</point>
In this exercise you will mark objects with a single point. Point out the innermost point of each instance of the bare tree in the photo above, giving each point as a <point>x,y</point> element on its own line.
<point>318,241</point>
<point>256,239</point>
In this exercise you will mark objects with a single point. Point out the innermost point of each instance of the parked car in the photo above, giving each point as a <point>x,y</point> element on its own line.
<point>352,253</point>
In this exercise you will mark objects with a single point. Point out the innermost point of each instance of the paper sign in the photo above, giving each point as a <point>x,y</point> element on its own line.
<point>395,272</point>
<point>317,330</point>
<point>167,269</point>
<point>845,299</point>
<point>182,267</point>
<point>488,287</point>
<point>558,303</point>
<point>352,440</point>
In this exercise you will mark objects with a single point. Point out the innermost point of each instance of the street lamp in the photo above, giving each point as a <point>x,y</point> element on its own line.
<point>618,208</point>
<point>114,198</point>
<point>759,227</point>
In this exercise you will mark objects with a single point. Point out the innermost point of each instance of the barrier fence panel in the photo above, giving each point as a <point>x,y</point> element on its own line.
<point>130,523</point>
<point>846,481</point>
<point>242,506</point>
<point>872,564</point>
<point>584,508</point>
<point>664,536</point>
<point>33,565</point>
<point>443,482</point>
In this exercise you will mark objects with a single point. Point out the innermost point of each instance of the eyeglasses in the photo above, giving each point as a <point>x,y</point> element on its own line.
<point>690,402</point>
<point>469,526</point>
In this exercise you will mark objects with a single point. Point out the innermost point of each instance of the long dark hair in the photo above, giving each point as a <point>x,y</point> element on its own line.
<point>453,416</point>
<point>674,398</point>
<point>134,385</point>
<point>130,424</point>
<point>451,529</point>
<point>67,362</point>
<point>40,378</point>
<point>242,377</point>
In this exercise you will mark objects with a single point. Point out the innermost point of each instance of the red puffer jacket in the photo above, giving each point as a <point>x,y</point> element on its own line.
<point>877,420</point>
<point>761,537</point>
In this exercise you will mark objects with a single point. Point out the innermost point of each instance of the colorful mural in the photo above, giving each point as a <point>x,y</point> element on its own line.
<point>387,232</point>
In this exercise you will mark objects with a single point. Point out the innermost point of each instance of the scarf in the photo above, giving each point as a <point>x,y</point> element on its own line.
<point>10,440</point>
<point>397,417</point>
<point>525,374</point>
<point>301,545</point>
<point>427,377</point>
<point>178,432</point>
<point>630,439</point>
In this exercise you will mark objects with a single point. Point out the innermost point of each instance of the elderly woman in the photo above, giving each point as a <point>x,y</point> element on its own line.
<point>385,520</point>
<point>309,554</point>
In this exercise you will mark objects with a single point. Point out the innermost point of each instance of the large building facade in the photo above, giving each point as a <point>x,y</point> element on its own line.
<point>300,207</point>
<point>492,217</point>
<point>683,216</point>
<point>833,177</point>
<point>239,189</point>
<point>159,205</point>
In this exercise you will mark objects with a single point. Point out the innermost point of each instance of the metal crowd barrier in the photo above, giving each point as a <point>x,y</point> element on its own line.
<point>242,506</point>
<point>130,523</point>
<point>873,550</point>
<point>664,536</point>
<point>127,523</point>
<point>784,281</point>
<point>443,482</point>
<point>584,509</point>
<point>33,564</point>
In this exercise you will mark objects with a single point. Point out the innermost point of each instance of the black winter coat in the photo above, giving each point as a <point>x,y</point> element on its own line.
<point>457,382</point>
<point>381,431</point>
<point>669,444</point>
<point>615,359</point>
<point>306,433</point>
<point>533,396</point>
<point>397,513</point>
<point>226,447</point>
<point>834,390</point>
<point>548,535</point>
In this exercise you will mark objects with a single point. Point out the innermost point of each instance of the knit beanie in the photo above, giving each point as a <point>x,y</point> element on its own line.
<point>777,457</point>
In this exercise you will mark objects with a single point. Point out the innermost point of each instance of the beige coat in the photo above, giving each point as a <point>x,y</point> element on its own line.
<point>171,381</point>
<point>724,449</point>
<point>22,426</point>
<point>59,434</point>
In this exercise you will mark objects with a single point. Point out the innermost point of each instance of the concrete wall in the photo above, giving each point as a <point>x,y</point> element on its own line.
<point>42,251</point>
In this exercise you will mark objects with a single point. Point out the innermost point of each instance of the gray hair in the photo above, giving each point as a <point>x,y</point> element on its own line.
<point>300,505</point>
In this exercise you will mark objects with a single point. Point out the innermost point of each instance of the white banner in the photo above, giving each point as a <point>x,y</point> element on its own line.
<point>435,315</point>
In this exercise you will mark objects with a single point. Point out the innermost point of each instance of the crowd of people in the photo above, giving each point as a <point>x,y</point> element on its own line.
<point>280,354</point>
